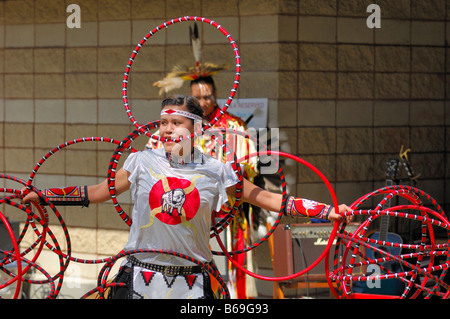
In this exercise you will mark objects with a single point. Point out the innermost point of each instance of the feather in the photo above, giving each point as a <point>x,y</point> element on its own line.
<point>198,71</point>
<point>179,74</point>
<point>169,83</point>
<point>196,43</point>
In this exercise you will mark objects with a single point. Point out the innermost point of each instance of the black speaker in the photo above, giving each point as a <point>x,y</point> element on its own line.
<point>298,246</point>
<point>5,238</point>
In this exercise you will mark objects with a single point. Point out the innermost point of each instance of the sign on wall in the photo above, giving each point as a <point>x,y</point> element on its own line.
<point>253,111</point>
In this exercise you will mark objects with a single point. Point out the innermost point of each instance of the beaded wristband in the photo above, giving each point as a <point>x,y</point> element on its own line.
<point>306,208</point>
<point>67,196</point>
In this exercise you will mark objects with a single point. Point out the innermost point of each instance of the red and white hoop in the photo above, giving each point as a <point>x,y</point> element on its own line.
<point>144,40</point>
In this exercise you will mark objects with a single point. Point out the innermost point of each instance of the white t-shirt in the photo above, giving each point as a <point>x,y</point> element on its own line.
<point>173,204</point>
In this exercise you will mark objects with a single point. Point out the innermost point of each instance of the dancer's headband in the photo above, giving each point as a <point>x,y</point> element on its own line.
<point>182,113</point>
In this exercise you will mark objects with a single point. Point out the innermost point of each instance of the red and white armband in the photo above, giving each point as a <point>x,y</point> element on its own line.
<point>67,196</point>
<point>306,208</point>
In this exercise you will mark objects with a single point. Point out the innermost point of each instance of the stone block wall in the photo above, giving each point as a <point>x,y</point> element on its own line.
<point>363,93</point>
<point>344,96</point>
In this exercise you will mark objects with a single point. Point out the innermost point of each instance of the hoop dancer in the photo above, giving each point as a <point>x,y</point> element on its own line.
<point>175,189</point>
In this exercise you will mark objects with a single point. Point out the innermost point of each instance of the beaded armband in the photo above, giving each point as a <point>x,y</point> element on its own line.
<point>306,208</point>
<point>67,196</point>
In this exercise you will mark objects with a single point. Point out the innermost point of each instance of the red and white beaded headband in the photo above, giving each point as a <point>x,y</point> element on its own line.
<point>182,113</point>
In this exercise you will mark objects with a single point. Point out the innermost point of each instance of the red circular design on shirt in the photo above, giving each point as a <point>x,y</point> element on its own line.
<point>159,196</point>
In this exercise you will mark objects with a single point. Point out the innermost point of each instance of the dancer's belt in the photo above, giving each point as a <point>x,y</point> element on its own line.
<point>167,270</point>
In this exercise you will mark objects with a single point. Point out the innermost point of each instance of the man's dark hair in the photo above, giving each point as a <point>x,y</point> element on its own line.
<point>191,103</point>
<point>205,80</point>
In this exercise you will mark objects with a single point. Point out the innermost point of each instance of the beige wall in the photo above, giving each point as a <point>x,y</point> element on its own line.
<point>345,97</point>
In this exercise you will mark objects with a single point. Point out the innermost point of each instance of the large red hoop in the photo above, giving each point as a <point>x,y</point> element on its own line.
<point>144,40</point>
<point>330,240</point>
<point>19,275</point>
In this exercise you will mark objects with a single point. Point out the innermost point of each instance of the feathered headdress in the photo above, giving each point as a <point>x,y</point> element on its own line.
<point>179,74</point>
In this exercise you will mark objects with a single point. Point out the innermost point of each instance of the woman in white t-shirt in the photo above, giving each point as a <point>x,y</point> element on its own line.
<point>175,189</point>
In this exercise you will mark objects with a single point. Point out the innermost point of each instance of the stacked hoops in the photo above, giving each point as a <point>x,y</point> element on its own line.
<point>421,271</point>
<point>345,263</point>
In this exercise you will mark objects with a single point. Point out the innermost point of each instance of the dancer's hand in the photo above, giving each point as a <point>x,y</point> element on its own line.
<point>28,196</point>
<point>336,215</point>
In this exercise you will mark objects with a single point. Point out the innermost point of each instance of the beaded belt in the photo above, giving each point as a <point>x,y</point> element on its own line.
<point>167,270</point>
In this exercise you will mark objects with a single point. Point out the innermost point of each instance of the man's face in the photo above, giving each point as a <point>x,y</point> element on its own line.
<point>204,94</point>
